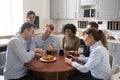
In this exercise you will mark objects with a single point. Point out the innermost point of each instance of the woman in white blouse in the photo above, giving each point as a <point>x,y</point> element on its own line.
<point>97,64</point>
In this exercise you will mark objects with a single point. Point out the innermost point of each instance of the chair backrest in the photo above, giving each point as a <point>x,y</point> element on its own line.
<point>116,75</point>
<point>111,57</point>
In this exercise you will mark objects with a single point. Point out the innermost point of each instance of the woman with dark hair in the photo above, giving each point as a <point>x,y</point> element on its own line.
<point>90,25</point>
<point>70,42</point>
<point>97,65</point>
<point>30,17</point>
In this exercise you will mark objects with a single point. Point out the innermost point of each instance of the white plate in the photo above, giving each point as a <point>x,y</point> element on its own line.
<point>38,54</point>
<point>41,59</point>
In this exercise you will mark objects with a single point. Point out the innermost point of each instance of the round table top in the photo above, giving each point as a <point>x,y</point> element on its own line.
<point>56,66</point>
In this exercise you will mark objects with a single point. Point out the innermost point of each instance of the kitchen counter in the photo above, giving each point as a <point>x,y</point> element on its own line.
<point>114,49</point>
<point>114,41</point>
<point>4,42</point>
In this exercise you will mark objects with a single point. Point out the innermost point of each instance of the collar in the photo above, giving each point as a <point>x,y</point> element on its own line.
<point>95,45</point>
<point>45,38</point>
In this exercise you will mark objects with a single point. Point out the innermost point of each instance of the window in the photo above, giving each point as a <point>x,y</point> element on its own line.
<point>11,16</point>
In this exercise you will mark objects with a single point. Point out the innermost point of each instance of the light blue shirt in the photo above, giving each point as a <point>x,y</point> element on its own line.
<point>16,56</point>
<point>39,42</point>
<point>97,63</point>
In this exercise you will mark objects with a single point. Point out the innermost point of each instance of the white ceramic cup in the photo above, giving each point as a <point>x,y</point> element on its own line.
<point>80,50</point>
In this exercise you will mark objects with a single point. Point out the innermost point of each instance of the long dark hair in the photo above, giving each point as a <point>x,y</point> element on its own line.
<point>98,35</point>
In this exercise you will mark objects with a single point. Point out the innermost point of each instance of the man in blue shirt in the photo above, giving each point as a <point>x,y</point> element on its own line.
<point>45,41</point>
<point>17,55</point>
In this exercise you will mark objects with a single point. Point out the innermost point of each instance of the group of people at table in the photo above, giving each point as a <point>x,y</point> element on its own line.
<point>23,47</point>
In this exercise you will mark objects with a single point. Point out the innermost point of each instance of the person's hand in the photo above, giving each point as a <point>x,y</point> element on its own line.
<point>67,60</point>
<point>49,48</point>
<point>66,52</point>
<point>39,51</point>
<point>81,55</point>
<point>74,58</point>
<point>76,53</point>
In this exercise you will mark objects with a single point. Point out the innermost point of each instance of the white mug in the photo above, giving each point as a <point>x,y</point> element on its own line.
<point>80,50</point>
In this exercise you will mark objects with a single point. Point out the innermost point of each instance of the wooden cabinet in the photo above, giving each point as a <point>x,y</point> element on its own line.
<point>62,9</point>
<point>104,9</point>
<point>117,53</point>
<point>114,49</point>
<point>119,10</point>
<point>53,9</point>
<point>87,2</point>
<point>107,9</point>
<point>71,9</point>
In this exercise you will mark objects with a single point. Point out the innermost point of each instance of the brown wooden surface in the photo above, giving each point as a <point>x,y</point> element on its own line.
<point>57,70</point>
<point>56,66</point>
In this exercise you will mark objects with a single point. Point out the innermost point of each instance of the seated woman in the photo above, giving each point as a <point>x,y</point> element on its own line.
<point>97,65</point>
<point>70,42</point>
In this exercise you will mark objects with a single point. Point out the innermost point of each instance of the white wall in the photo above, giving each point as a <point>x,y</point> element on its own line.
<point>41,8</point>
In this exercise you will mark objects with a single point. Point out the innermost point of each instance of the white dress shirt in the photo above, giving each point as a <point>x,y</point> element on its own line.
<point>16,56</point>
<point>97,63</point>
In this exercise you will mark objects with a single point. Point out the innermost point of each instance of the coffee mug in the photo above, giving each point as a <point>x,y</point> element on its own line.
<point>49,52</point>
<point>80,50</point>
<point>61,52</point>
<point>72,53</point>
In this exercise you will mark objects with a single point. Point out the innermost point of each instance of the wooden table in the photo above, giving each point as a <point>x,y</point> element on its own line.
<point>57,70</point>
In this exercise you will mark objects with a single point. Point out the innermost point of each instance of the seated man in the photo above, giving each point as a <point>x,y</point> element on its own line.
<point>17,55</point>
<point>45,41</point>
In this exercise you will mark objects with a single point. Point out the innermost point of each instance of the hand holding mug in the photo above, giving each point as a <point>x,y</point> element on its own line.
<point>49,48</point>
